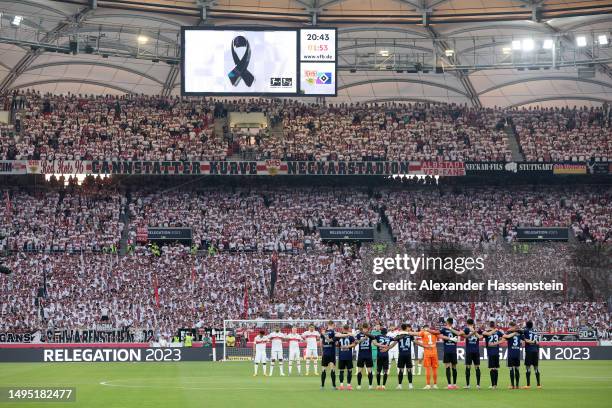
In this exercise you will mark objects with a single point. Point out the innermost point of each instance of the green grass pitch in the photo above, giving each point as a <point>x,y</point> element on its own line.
<point>198,384</point>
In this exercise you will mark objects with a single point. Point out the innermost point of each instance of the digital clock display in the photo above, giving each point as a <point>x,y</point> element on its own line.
<point>317,37</point>
<point>318,45</point>
<point>318,62</point>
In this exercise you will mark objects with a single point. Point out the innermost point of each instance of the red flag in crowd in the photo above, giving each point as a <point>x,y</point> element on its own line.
<point>156,291</point>
<point>9,207</point>
<point>82,260</point>
<point>245,303</point>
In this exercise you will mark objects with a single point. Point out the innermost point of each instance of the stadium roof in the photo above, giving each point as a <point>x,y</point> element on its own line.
<point>132,46</point>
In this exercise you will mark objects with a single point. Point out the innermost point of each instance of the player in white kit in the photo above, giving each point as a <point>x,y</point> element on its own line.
<point>312,338</point>
<point>417,356</point>
<point>276,352</point>
<point>394,351</point>
<point>260,342</point>
<point>294,349</point>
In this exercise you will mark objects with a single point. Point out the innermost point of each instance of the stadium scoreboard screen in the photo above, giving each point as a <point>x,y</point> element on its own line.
<point>258,62</point>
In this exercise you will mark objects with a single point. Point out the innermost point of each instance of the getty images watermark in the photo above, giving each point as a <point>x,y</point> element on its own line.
<point>400,271</point>
<point>412,264</point>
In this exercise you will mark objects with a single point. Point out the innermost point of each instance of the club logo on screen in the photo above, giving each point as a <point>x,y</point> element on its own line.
<point>318,78</point>
<point>240,71</point>
<point>324,78</point>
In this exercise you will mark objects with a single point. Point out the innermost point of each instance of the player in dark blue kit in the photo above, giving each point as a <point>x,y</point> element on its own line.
<point>472,352</point>
<point>404,340</point>
<point>513,338</point>
<point>382,341</point>
<point>345,357</point>
<point>449,336</point>
<point>493,337</point>
<point>364,354</point>
<point>328,361</point>
<point>532,353</point>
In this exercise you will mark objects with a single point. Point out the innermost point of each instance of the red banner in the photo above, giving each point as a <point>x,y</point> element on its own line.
<point>142,235</point>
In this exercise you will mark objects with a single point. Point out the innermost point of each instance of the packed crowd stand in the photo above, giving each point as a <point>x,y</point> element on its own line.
<point>77,218</point>
<point>65,276</point>
<point>94,216</point>
<point>255,220</point>
<point>564,134</point>
<point>139,127</point>
<point>486,214</point>
<point>56,238</point>
<point>178,290</point>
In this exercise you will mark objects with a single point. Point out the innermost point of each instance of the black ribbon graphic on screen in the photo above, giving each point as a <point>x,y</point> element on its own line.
<point>240,70</point>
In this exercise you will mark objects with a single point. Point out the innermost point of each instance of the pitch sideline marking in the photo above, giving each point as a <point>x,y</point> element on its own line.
<point>108,384</point>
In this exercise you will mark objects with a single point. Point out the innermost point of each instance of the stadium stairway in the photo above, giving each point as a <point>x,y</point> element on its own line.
<point>219,124</point>
<point>125,218</point>
<point>235,157</point>
<point>382,232</point>
<point>13,116</point>
<point>571,237</point>
<point>277,130</point>
<point>517,155</point>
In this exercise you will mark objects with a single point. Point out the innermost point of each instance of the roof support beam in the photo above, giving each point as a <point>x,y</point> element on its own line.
<point>402,99</point>
<point>589,22</point>
<point>38,5</point>
<point>330,3</point>
<point>96,64</point>
<point>123,30</point>
<point>545,78</point>
<point>536,8</point>
<point>73,80</point>
<point>204,6</point>
<point>405,80</point>
<point>441,46</point>
<point>170,80</point>
<point>437,3</point>
<point>385,44</point>
<point>513,25</point>
<point>603,68</point>
<point>417,4</point>
<point>346,30</point>
<point>422,7</point>
<point>25,22</point>
<point>29,58</point>
<point>559,97</point>
<point>135,16</point>
<point>314,9</point>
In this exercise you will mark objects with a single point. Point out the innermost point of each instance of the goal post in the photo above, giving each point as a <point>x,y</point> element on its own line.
<point>238,335</point>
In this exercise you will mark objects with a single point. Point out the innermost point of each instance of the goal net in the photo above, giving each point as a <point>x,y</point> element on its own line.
<point>238,335</point>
